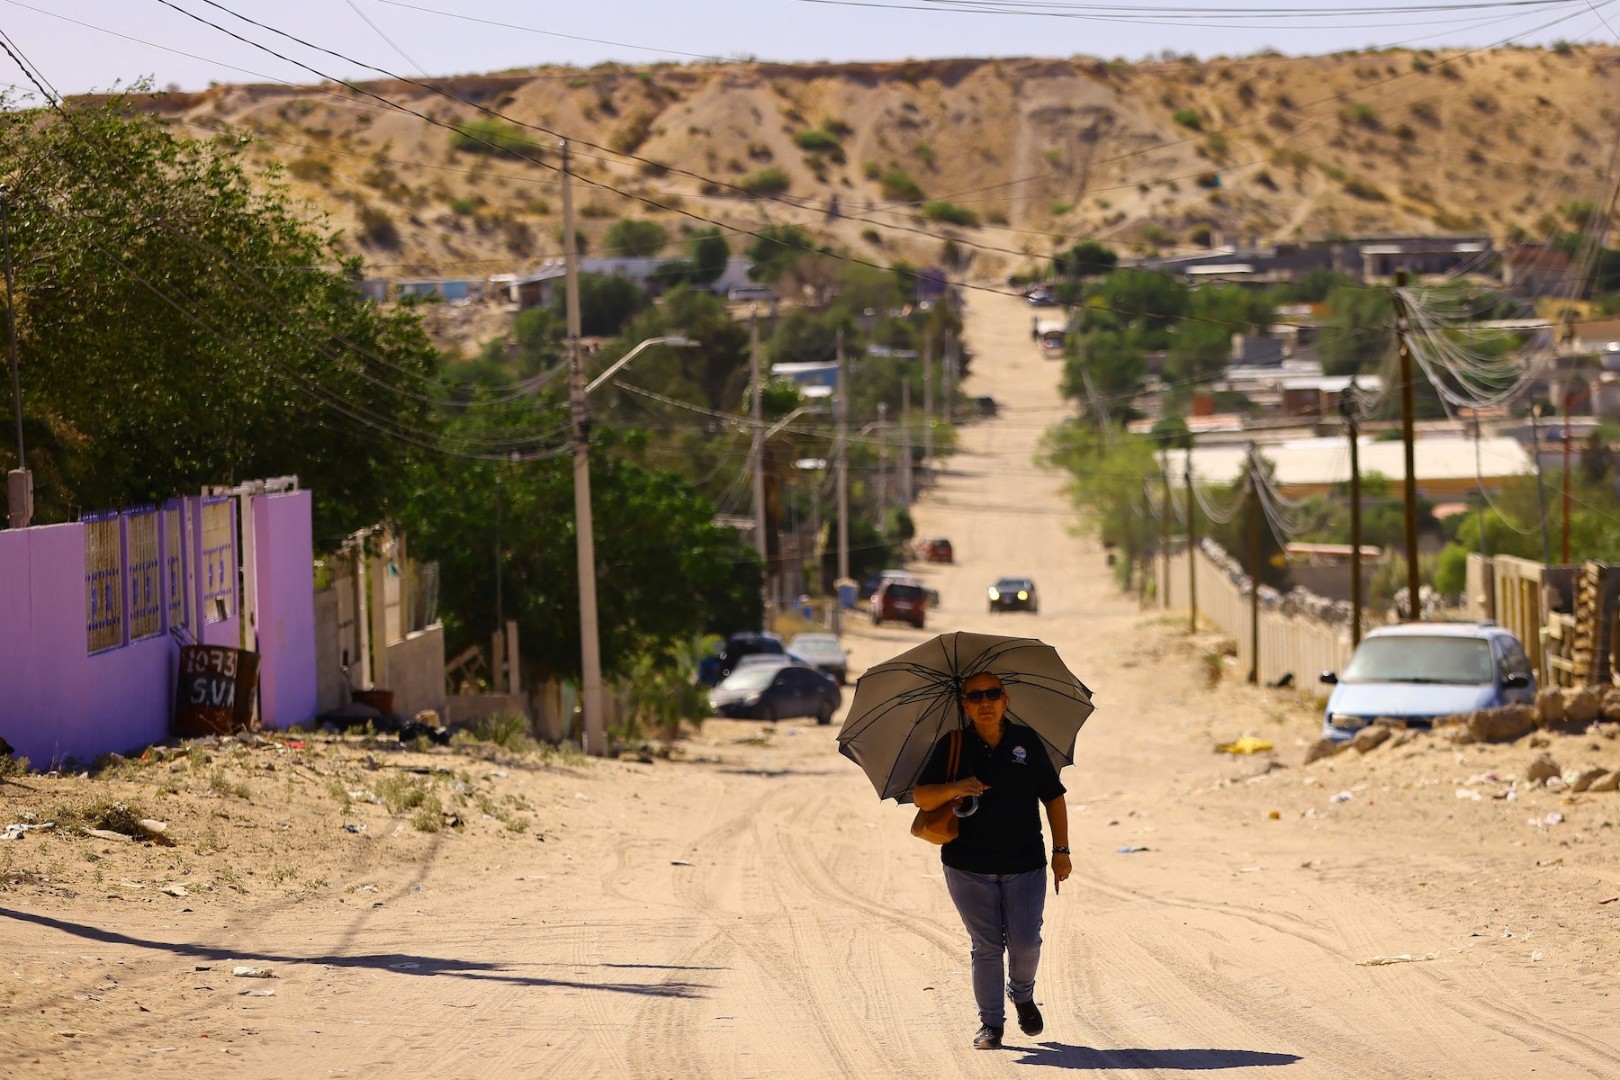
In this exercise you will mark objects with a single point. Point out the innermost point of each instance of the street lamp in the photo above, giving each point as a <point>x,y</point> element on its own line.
<point>590,643</point>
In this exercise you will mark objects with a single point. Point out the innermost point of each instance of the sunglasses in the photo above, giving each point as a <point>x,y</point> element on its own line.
<point>973,697</point>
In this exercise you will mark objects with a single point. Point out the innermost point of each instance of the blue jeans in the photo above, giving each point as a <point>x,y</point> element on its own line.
<point>1002,913</point>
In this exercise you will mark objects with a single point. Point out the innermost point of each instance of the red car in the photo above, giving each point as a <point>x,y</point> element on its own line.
<point>938,550</point>
<point>906,601</point>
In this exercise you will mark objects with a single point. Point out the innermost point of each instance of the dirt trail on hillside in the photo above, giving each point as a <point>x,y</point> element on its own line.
<point>752,911</point>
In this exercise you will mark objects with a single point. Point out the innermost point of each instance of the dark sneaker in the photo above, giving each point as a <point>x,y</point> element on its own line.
<point>988,1038</point>
<point>1029,1018</point>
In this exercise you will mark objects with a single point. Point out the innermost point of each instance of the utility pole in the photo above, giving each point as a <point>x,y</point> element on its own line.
<point>756,465</point>
<point>1484,551</point>
<point>950,376</point>
<point>1565,480</point>
<point>928,404</point>
<point>905,442</point>
<point>841,452</point>
<point>1164,524</point>
<point>19,481</point>
<point>1147,542</point>
<point>883,469</point>
<point>1541,494</point>
<point>590,644</point>
<point>1409,439</point>
<point>1192,545</point>
<point>1349,408</point>
<point>1254,571</point>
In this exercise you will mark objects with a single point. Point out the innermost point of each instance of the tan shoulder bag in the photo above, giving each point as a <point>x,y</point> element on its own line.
<point>941,825</point>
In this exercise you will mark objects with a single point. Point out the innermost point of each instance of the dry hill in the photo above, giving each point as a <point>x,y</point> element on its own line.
<point>885,159</point>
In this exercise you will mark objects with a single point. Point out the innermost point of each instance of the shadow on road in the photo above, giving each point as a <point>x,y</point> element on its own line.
<point>1061,1056</point>
<point>401,963</point>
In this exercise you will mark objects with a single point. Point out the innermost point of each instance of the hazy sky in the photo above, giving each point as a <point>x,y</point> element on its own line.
<point>82,45</point>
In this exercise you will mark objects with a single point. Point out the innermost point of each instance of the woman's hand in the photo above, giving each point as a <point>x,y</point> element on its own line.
<point>969,785</point>
<point>1062,867</point>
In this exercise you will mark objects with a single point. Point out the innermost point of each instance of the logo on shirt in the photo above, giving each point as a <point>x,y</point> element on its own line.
<point>1019,755</point>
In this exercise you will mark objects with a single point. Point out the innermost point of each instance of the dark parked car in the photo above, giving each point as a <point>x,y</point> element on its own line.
<point>906,601</point>
<point>823,651</point>
<point>1013,594</point>
<point>763,691</point>
<point>747,643</point>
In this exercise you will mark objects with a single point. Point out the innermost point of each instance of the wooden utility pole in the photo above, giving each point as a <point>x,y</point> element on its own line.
<point>1541,493</point>
<point>1350,409</point>
<point>1409,440</point>
<point>1164,525</point>
<point>1255,512</point>
<point>1566,485</point>
<point>756,468</point>
<point>1147,542</point>
<point>841,454</point>
<point>1192,546</point>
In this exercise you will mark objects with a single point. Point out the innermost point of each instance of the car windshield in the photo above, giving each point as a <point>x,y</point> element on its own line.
<point>752,677</point>
<point>1013,584</point>
<point>1410,659</point>
<point>904,592</point>
<point>818,648</point>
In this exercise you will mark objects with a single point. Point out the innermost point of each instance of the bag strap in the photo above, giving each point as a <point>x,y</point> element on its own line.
<point>956,755</point>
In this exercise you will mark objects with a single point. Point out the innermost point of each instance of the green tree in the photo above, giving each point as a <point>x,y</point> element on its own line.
<point>1114,362</point>
<point>775,248</point>
<point>666,572</point>
<point>178,326</point>
<point>633,237</point>
<point>1087,259</point>
<point>710,251</point>
<point>606,303</point>
<point>1359,332</point>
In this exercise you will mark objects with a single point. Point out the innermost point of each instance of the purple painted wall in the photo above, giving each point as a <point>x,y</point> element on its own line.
<point>283,538</point>
<point>55,700</point>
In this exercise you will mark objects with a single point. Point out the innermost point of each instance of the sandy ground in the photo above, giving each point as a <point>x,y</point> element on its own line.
<point>749,909</point>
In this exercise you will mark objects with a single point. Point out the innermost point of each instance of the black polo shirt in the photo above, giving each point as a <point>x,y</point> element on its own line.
<point>1004,835</point>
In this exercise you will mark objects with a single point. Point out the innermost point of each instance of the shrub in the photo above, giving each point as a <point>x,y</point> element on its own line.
<point>771,181</point>
<point>1061,208</point>
<point>925,153</point>
<point>950,213</point>
<point>816,140</point>
<point>1188,118</point>
<point>311,170</point>
<point>469,204</point>
<point>872,237</point>
<point>1217,145</point>
<point>492,137</point>
<point>1363,114</point>
<point>898,186</point>
<point>377,229</point>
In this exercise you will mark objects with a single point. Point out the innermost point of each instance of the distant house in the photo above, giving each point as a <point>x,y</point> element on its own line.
<point>446,289</point>
<point>1448,467</point>
<point>1536,270</point>
<point>536,288</point>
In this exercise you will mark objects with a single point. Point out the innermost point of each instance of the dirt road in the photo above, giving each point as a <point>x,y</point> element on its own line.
<point>753,911</point>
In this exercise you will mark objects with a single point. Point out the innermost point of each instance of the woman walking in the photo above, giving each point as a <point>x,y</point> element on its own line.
<point>996,867</point>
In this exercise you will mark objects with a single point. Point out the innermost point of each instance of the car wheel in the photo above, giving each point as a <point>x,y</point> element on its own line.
<point>824,712</point>
<point>767,713</point>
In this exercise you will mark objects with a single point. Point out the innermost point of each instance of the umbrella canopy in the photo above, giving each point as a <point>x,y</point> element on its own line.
<point>904,705</point>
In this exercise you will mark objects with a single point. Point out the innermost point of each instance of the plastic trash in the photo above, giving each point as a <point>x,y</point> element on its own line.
<point>1246,745</point>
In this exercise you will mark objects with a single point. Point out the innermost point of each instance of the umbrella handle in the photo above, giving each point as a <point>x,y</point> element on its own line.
<point>967,807</point>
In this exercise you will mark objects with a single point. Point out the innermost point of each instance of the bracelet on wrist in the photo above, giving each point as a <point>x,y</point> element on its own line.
<point>1060,851</point>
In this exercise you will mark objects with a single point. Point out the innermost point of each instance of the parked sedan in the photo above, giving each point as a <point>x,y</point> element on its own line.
<point>762,691</point>
<point>1013,594</point>
<point>824,652</point>
<point>1416,672</point>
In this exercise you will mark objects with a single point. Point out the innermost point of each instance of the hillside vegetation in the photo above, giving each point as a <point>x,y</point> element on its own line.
<point>1009,157</point>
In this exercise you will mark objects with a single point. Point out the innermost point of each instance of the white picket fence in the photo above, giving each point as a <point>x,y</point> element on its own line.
<point>1289,644</point>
